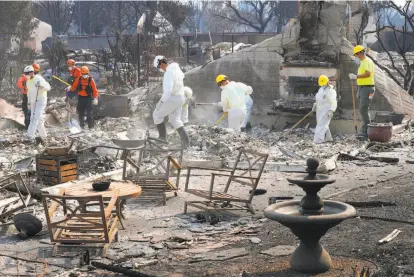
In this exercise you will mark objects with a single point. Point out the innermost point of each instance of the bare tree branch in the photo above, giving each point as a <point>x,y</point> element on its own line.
<point>386,70</point>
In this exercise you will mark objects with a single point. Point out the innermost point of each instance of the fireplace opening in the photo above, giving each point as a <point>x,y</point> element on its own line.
<point>303,88</point>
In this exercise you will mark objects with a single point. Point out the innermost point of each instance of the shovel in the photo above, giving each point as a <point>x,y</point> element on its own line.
<point>294,126</point>
<point>217,122</point>
<point>73,124</point>
<point>353,104</point>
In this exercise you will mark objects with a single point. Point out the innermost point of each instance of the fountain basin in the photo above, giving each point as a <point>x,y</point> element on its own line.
<point>288,213</point>
<point>310,256</point>
<point>303,180</point>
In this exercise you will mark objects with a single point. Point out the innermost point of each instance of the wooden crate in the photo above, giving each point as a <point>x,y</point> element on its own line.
<point>56,169</point>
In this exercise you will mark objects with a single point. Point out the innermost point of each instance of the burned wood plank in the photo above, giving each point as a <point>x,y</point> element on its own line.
<point>347,157</point>
<point>370,204</point>
<point>119,269</point>
<point>384,159</point>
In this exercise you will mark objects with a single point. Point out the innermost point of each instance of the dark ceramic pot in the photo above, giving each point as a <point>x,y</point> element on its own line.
<point>380,132</point>
<point>101,185</point>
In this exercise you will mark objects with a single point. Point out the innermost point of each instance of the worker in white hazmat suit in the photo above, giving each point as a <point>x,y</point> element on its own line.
<point>247,90</point>
<point>324,106</point>
<point>37,89</point>
<point>171,101</point>
<point>188,94</point>
<point>233,101</point>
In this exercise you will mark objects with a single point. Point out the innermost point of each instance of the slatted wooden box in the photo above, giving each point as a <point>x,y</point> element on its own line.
<point>54,170</point>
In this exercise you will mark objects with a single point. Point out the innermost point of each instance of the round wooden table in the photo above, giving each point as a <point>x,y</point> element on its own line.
<point>126,189</point>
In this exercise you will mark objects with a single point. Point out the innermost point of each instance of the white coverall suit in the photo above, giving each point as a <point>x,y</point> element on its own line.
<point>37,89</point>
<point>188,93</point>
<point>249,101</point>
<point>325,102</point>
<point>233,101</point>
<point>172,98</point>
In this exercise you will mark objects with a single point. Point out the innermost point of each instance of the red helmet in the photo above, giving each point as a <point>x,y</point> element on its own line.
<point>70,62</point>
<point>36,67</point>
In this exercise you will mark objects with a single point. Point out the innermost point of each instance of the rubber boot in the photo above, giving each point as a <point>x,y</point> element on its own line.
<point>243,130</point>
<point>185,141</point>
<point>162,131</point>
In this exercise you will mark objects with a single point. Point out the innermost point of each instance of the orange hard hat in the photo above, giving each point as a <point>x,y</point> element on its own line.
<point>36,67</point>
<point>84,70</point>
<point>70,62</point>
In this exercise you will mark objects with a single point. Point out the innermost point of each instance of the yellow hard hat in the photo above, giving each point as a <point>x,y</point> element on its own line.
<point>358,49</point>
<point>323,80</point>
<point>220,78</point>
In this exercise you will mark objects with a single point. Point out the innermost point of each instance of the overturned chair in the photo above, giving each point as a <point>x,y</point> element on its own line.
<point>246,173</point>
<point>13,204</point>
<point>157,171</point>
<point>76,225</point>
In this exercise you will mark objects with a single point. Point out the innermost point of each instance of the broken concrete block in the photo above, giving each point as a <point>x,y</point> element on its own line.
<point>255,240</point>
<point>280,250</point>
<point>221,255</point>
<point>113,105</point>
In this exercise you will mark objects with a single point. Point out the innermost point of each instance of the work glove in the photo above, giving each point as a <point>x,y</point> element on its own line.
<point>330,114</point>
<point>95,101</point>
<point>69,88</point>
<point>352,76</point>
<point>218,104</point>
<point>314,107</point>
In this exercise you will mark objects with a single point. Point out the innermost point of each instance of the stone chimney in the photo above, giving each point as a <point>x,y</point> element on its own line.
<point>354,21</point>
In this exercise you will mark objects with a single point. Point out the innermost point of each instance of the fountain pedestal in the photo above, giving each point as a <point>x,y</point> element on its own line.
<point>310,219</point>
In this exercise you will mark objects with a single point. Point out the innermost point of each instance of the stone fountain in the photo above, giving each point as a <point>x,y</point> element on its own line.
<point>310,219</point>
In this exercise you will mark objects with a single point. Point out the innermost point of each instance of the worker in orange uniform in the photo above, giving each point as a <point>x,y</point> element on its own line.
<point>74,73</point>
<point>87,96</point>
<point>22,84</point>
<point>36,68</point>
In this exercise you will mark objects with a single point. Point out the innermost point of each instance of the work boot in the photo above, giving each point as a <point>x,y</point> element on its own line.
<point>248,128</point>
<point>185,141</point>
<point>162,131</point>
<point>39,140</point>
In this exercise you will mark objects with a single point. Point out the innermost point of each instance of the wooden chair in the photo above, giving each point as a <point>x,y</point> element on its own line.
<point>13,204</point>
<point>158,170</point>
<point>253,164</point>
<point>78,226</point>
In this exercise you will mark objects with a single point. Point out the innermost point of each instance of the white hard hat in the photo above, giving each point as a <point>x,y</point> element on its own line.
<point>28,69</point>
<point>188,92</point>
<point>157,61</point>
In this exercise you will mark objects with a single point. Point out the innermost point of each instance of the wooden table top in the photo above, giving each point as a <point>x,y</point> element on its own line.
<point>127,189</point>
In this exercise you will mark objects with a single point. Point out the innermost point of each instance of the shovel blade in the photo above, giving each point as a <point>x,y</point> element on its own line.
<point>74,127</point>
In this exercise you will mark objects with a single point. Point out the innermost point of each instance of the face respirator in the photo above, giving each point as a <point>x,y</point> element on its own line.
<point>85,76</point>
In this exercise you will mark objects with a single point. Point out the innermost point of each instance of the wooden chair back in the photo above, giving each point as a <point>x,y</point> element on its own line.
<point>75,224</point>
<point>159,163</point>
<point>248,164</point>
